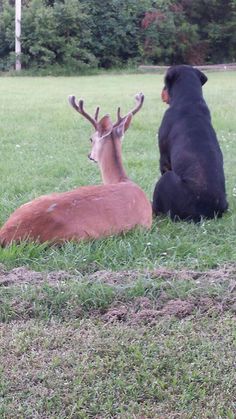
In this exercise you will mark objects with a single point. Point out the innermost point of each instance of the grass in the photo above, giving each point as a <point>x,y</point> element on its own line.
<point>44,147</point>
<point>136,326</point>
<point>85,370</point>
<point>73,297</point>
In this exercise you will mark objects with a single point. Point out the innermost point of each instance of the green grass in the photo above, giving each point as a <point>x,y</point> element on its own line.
<point>75,296</point>
<point>132,328</point>
<point>44,147</point>
<point>85,370</point>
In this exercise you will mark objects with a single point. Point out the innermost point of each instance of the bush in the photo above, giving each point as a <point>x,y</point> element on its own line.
<point>80,35</point>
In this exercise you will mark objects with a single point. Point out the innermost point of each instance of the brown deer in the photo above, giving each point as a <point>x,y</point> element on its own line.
<point>88,212</point>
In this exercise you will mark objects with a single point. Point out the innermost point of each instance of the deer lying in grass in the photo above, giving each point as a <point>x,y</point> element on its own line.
<point>88,212</point>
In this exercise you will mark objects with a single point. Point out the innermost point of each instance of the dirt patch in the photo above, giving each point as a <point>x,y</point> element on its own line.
<point>146,311</point>
<point>20,275</point>
<point>124,277</point>
<point>178,308</point>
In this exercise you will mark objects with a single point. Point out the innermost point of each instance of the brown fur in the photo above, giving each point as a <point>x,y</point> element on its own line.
<point>88,212</point>
<point>165,95</point>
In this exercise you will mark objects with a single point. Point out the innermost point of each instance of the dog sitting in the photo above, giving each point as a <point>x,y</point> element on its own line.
<point>192,184</point>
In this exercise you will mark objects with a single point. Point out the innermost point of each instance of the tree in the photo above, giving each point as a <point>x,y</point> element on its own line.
<point>115,26</point>
<point>167,34</point>
<point>7,37</point>
<point>82,34</point>
<point>56,34</point>
<point>216,28</point>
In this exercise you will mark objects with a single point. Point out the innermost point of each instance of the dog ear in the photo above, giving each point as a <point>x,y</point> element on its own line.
<point>171,76</point>
<point>203,78</point>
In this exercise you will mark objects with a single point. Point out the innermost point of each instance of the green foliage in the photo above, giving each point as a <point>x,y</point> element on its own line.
<point>79,35</point>
<point>6,35</point>
<point>56,34</point>
<point>168,36</point>
<point>216,28</point>
<point>115,27</point>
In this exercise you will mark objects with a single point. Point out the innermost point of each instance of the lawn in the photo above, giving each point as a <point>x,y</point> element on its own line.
<point>136,326</point>
<point>44,147</point>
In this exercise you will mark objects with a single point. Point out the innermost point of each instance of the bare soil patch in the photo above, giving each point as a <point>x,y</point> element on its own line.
<point>23,275</point>
<point>151,311</point>
<point>226,272</point>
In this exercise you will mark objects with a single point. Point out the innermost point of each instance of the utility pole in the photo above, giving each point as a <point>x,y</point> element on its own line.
<point>18,33</point>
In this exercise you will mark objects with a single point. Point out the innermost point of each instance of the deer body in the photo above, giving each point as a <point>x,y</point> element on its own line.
<point>88,212</point>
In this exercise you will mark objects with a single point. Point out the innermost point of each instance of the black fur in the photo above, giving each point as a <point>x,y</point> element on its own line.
<point>192,184</point>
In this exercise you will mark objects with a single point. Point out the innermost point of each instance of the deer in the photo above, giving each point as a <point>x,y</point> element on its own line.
<point>87,212</point>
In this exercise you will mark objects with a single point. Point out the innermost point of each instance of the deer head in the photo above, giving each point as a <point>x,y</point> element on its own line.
<point>105,129</point>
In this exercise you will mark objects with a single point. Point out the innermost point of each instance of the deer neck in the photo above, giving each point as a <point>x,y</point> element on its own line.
<point>111,165</point>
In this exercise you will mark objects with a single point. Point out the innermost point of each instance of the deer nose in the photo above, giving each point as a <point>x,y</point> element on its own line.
<point>90,158</point>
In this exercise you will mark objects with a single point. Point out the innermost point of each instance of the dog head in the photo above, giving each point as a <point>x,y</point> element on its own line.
<point>182,73</point>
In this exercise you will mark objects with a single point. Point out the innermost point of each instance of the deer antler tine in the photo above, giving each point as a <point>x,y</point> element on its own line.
<point>139,96</point>
<point>71,98</point>
<point>73,102</point>
<point>118,114</point>
<point>79,107</point>
<point>96,113</point>
<point>139,99</point>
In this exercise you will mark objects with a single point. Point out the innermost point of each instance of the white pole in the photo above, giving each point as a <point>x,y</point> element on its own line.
<point>18,33</point>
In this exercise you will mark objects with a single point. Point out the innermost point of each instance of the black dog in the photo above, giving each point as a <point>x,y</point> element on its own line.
<point>192,184</point>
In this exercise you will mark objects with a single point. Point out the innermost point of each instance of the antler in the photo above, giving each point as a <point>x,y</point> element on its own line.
<point>139,97</point>
<point>79,107</point>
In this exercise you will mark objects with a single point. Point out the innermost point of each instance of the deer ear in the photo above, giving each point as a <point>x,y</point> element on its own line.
<point>123,126</point>
<point>127,122</point>
<point>105,125</point>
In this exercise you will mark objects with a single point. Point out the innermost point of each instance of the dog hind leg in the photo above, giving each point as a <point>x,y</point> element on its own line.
<point>171,196</point>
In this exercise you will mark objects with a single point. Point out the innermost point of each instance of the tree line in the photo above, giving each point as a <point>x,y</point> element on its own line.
<point>79,35</point>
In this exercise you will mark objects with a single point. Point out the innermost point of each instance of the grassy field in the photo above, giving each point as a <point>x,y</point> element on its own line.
<point>44,147</point>
<point>136,326</point>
